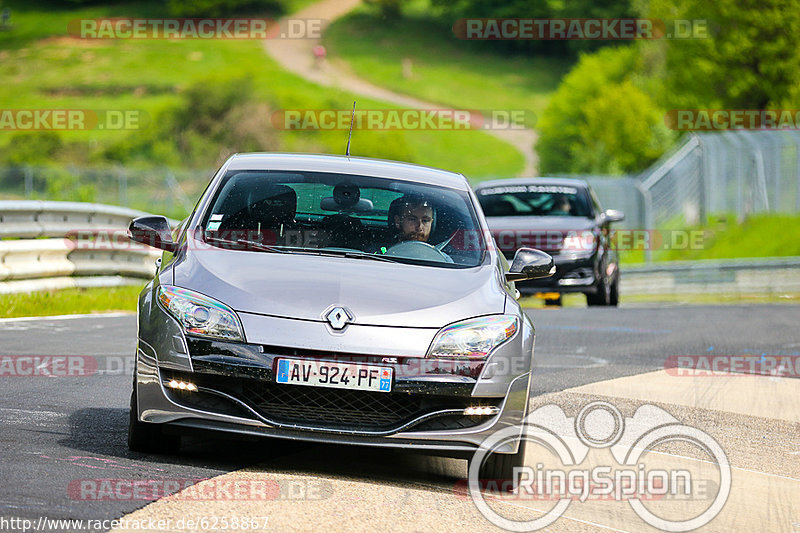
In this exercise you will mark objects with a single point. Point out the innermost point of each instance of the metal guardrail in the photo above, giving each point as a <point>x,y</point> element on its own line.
<point>38,218</point>
<point>38,252</point>
<point>780,275</point>
<point>39,249</point>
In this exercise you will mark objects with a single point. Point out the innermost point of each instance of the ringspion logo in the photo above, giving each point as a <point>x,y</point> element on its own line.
<point>624,473</point>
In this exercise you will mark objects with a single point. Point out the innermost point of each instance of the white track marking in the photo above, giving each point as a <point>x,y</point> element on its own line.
<point>67,317</point>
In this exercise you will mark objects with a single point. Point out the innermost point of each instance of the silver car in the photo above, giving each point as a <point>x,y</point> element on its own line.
<point>334,299</point>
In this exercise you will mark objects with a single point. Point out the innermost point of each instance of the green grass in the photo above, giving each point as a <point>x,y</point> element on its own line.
<point>70,301</point>
<point>567,300</point>
<point>45,68</point>
<point>711,299</point>
<point>758,236</point>
<point>445,70</point>
<point>767,235</point>
<point>579,300</point>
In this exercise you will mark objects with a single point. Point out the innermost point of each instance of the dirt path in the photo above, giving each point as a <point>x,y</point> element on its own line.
<point>296,56</point>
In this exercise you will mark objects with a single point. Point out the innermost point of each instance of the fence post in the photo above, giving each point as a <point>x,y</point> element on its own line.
<point>797,170</point>
<point>122,180</point>
<point>703,177</point>
<point>647,202</point>
<point>28,181</point>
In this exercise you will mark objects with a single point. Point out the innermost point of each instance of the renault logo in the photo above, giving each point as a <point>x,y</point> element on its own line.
<point>338,317</point>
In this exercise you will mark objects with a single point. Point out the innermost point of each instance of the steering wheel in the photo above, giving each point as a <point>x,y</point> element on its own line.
<point>418,250</point>
<point>441,246</point>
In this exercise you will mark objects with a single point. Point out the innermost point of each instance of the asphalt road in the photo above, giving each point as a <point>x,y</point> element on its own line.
<point>57,431</point>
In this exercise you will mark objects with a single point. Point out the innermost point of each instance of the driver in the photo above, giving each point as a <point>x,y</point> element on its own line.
<point>414,219</point>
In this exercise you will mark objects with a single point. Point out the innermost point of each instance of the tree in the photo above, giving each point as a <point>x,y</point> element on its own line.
<point>599,120</point>
<point>750,59</point>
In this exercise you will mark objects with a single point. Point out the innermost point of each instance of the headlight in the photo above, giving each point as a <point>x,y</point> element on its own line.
<point>199,314</point>
<point>473,338</point>
<point>578,243</point>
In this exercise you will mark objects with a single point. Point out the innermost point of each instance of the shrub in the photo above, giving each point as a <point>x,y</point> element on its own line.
<point>223,8</point>
<point>214,119</point>
<point>600,120</point>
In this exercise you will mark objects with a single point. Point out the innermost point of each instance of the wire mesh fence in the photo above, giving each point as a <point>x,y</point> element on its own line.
<point>171,192</point>
<point>733,173</point>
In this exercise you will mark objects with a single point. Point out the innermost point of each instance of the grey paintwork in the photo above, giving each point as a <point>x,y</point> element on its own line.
<point>281,300</point>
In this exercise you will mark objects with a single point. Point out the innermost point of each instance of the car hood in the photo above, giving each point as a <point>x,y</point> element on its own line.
<point>545,233</point>
<point>304,287</point>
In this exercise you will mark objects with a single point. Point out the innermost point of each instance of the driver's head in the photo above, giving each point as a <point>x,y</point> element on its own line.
<point>562,204</point>
<point>414,219</point>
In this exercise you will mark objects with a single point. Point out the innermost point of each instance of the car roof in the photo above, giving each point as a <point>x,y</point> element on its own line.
<point>340,164</point>
<point>571,182</point>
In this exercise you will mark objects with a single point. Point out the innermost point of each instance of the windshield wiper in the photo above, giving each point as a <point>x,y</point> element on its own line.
<point>249,244</point>
<point>342,253</point>
<point>364,255</point>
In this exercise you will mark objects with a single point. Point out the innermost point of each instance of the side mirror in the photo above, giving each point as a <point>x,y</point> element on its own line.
<point>153,231</point>
<point>612,215</point>
<point>530,263</point>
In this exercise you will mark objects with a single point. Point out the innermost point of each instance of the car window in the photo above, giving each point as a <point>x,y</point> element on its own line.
<point>534,200</point>
<point>398,220</point>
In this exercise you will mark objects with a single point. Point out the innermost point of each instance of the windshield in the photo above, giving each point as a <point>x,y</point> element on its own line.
<point>534,200</point>
<point>339,214</point>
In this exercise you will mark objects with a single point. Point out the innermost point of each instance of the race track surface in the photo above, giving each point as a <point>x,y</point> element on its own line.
<point>60,431</point>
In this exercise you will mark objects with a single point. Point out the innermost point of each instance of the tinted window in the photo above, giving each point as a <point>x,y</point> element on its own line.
<point>292,211</point>
<point>534,200</point>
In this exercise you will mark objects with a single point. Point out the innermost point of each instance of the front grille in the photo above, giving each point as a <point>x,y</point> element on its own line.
<point>335,409</point>
<point>344,409</point>
<point>449,422</point>
<point>208,401</point>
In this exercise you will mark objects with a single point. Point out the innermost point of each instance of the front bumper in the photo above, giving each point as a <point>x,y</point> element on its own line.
<point>237,394</point>
<point>572,275</point>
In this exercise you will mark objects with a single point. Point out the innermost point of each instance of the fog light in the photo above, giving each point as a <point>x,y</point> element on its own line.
<point>481,411</point>
<point>182,385</point>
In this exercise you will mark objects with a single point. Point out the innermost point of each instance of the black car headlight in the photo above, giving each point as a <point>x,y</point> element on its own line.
<point>199,314</point>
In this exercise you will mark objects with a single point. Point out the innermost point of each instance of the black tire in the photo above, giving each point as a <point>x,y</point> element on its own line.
<point>145,437</point>
<point>602,296</point>
<point>614,298</point>
<point>500,466</point>
<point>553,301</point>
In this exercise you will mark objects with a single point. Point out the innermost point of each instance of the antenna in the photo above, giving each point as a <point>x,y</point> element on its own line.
<point>353,116</point>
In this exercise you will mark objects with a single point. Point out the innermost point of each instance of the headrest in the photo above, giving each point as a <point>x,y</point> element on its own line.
<point>499,208</point>
<point>277,203</point>
<point>346,199</point>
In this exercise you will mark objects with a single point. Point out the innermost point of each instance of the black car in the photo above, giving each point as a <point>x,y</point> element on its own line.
<point>562,217</point>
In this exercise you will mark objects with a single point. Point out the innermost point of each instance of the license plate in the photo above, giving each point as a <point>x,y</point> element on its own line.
<point>351,376</point>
